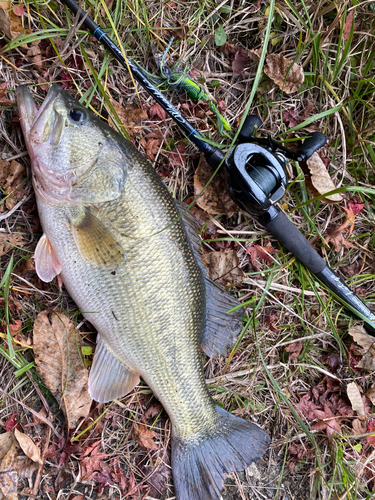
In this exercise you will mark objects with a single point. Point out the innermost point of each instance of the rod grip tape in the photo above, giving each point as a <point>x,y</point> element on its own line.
<point>292,239</point>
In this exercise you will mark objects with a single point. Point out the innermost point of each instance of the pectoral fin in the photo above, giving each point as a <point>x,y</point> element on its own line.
<point>46,263</point>
<point>95,242</point>
<point>109,378</point>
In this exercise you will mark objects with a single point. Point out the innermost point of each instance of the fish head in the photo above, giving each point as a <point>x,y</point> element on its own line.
<point>73,155</point>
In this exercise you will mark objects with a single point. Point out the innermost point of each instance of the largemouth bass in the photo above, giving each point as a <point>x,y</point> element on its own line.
<point>115,236</point>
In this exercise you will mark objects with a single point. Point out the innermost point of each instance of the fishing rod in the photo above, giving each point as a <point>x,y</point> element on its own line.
<point>255,170</point>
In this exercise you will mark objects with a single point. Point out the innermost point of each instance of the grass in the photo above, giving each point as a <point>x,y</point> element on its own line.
<point>283,301</point>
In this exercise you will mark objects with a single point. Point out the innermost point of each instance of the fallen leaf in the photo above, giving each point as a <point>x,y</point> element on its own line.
<point>223,267</point>
<point>156,111</point>
<point>57,348</point>
<point>321,179</point>
<point>327,422</point>
<point>215,199</point>
<point>9,475</point>
<point>287,75</point>
<point>9,241</point>
<point>151,142</point>
<point>6,441</point>
<point>370,393</point>
<point>29,448</point>
<point>256,251</point>
<point>130,116</point>
<point>92,462</point>
<point>355,399</point>
<point>10,20</point>
<point>12,176</point>
<point>306,407</point>
<point>11,422</point>
<point>294,350</point>
<point>145,436</point>
<point>359,426</point>
<point>4,101</point>
<point>356,206</point>
<point>334,361</point>
<point>367,343</point>
<point>348,25</point>
<point>241,61</point>
<point>19,9</point>
<point>371,428</point>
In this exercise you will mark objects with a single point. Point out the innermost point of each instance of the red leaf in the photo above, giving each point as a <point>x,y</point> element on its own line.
<point>11,423</point>
<point>19,10</point>
<point>348,25</point>
<point>156,111</point>
<point>334,361</point>
<point>241,61</point>
<point>371,428</point>
<point>356,206</point>
<point>306,407</point>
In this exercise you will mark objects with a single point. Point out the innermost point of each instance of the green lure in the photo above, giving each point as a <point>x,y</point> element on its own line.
<point>179,80</point>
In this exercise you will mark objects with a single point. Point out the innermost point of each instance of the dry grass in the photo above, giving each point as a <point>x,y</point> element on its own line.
<point>261,383</point>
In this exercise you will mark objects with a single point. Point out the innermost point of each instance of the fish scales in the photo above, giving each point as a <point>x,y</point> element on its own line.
<point>114,234</point>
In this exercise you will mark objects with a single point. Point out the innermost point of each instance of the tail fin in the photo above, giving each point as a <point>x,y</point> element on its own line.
<point>199,467</point>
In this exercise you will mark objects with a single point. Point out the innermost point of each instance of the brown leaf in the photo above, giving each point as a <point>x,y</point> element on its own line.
<point>215,199</point>
<point>286,74</point>
<point>6,441</point>
<point>59,363</point>
<point>9,241</point>
<point>370,393</point>
<point>223,267</point>
<point>355,399</point>
<point>11,177</point>
<point>29,448</point>
<point>145,436</point>
<point>334,361</point>
<point>359,426</point>
<point>328,421</point>
<point>8,474</point>
<point>130,117</point>
<point>367,343</point>
<point>19,9</point>
<point>294,350</point>
<point>348,25</point>
<point>320,178</point>
<point>10,22</point>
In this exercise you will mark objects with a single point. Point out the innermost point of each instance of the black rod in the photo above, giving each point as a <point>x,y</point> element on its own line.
<point>213,155</point>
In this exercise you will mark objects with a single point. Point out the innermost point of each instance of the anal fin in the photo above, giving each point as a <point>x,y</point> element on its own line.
<point>109,379</point>
<point>222,327</point>
<point>47,265</point>
<point>96,244</point>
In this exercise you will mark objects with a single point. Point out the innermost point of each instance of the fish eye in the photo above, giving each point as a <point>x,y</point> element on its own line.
<point>77,115</point>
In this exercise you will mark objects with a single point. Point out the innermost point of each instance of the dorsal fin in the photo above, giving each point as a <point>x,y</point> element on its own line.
<point>109,378</point>
<point>221,327</point>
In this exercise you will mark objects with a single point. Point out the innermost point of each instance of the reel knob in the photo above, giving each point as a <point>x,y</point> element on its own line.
<point>247,129</point>
<point>310,145</point>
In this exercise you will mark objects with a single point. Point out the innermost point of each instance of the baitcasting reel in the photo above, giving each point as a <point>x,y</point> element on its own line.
<point>256,167</point>
<point>255,170</point>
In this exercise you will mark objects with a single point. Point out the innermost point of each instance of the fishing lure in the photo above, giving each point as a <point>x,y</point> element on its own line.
<point>179,80</point>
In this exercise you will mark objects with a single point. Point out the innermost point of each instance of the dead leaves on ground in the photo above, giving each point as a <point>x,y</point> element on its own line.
<point>321,179</point>
<point>12,177</point>
<point>223,268</point>
<point>11,19</point>
<point>287,75</point>
<point>215,199</point>
<point>57,349</point>
<point>130,117</point>
<point>12,466</point>
<point>366,349</point>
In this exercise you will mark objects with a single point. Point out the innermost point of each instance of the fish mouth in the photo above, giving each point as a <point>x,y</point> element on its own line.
<point>44,124</point>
